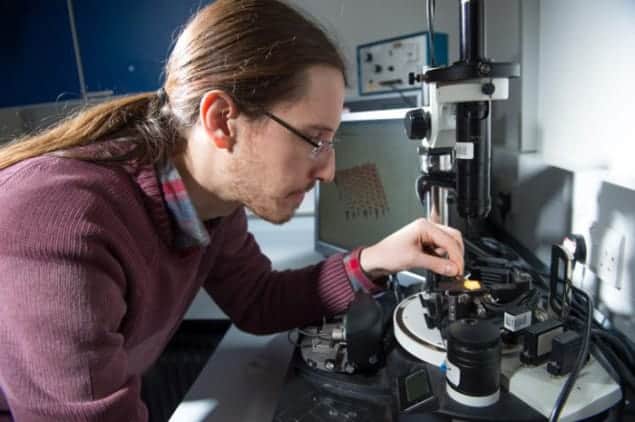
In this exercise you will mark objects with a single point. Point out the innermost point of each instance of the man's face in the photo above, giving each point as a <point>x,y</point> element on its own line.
<point>273,167</point>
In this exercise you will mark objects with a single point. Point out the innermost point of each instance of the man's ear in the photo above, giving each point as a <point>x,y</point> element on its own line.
<point>216,109</point>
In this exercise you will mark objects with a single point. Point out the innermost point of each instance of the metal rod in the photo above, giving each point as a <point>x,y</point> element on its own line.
<point>78,57</point>
<point>471,31</point>
<point>437,208</point>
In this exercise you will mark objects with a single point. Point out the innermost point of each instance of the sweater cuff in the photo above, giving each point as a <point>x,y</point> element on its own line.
<point>334,289</point>
<point>359,280</point>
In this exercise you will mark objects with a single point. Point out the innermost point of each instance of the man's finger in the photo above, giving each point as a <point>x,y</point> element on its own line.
<point>438,238</point>
<point>456,235</point>
<point>438,265</point>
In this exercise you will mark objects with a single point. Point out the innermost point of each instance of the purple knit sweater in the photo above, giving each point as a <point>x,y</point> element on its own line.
<point>92,287</point>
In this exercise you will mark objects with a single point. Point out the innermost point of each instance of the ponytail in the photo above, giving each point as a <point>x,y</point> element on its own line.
<point>139,119</point>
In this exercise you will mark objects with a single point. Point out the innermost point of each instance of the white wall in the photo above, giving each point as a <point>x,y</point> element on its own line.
<point>580,179</point>
<point>587,87</point>
<point>355,22</point>
<point>585,111</point>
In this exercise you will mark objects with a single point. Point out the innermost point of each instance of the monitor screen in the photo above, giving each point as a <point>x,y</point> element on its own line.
<point>374,190</point>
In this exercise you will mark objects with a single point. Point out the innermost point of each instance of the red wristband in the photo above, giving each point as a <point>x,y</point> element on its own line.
<point>358,278</point>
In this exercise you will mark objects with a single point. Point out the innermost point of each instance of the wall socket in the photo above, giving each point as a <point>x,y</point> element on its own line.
<point>608,250</point>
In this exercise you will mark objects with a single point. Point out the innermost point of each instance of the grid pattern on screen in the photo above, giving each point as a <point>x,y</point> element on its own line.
<point>362,192</point>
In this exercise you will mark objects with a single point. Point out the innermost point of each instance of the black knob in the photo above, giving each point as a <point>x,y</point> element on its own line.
<point>414,77</point>
<point>378,68</point>
<point>488,88</point>
<point>417,123</point>
<point>484,68</point>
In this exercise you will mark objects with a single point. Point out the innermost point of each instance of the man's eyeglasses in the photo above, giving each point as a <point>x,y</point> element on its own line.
<point>321,147</point>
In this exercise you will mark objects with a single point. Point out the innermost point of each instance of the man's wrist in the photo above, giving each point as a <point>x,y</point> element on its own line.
<point>378,276</point>
<point>358,278</point>
<point>365,261</point>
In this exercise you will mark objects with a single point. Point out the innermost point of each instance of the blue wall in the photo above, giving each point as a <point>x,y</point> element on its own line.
<point>37,62</point>
<point>123,45</point>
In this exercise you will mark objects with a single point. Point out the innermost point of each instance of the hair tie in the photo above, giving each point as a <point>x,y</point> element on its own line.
<point>162,97</point>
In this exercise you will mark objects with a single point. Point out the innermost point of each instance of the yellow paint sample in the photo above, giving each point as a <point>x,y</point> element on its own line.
<point>472,284</point>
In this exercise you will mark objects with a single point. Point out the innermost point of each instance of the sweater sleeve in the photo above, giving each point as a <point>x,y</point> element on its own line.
<point>61,303</point>
<point>260,300</point>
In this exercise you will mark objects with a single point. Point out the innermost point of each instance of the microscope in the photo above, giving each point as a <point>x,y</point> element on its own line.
<point>454,125</point>
<point>487,326</point>
<point>455,134</point>
<point>456,153</point>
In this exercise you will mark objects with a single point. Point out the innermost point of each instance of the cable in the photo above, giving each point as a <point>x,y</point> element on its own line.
<point>561,302</point>
<point>617,351</point>
<point>529,298</point>
<point>620,348</point>
<point>610,367</point>
<point>623,377</point>
<point>627,341</point>
<point>582,357</point>
<point>614,339</point>
<point>604,360</point>
<point>619,365</point>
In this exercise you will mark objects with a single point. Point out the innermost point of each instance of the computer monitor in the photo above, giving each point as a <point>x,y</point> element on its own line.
<point>374,190</point>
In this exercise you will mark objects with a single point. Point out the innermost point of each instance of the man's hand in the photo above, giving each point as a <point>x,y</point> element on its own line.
<point>420,244</point>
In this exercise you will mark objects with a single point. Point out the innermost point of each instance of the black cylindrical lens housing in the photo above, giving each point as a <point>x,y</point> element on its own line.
<point>473,160</point>
<point>474,347</point>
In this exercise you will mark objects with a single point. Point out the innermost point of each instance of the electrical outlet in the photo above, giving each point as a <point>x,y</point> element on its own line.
<point>608,249</point>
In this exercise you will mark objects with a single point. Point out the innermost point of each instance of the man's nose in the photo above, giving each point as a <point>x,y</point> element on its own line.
<point>326,170</point>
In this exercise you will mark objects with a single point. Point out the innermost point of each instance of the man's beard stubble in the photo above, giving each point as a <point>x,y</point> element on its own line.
<point>247,179</point>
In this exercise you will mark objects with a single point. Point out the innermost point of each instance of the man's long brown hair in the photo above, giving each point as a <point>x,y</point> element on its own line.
<point>255,50</point>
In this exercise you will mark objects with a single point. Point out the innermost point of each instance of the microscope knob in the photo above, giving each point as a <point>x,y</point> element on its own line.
<point>488,88</point>
<point>414,77</point>
<point>417,123</point>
